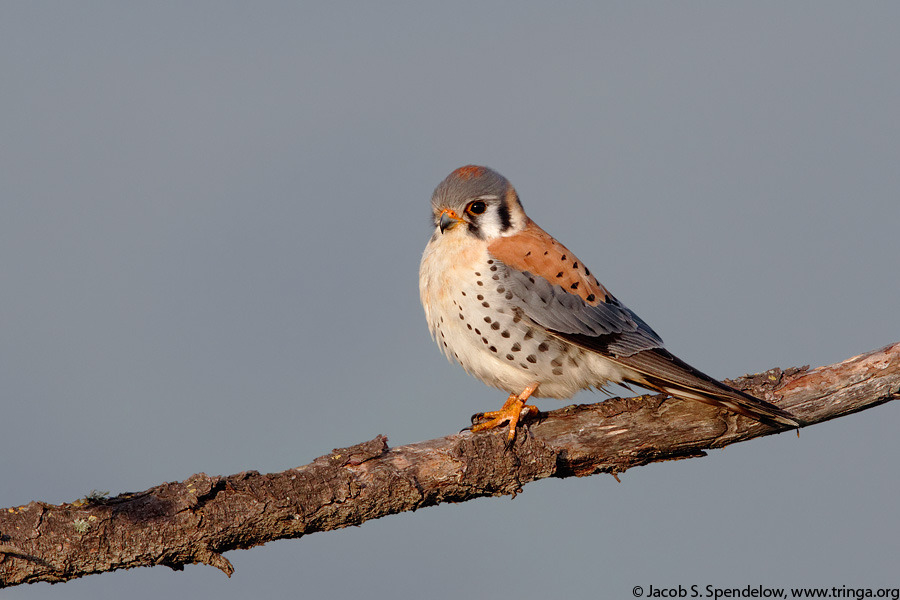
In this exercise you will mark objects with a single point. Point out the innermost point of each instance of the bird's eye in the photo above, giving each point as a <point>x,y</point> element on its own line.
<point>476,208</point>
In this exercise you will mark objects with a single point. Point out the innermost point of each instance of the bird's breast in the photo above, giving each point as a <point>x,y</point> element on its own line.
<point>472,318</point>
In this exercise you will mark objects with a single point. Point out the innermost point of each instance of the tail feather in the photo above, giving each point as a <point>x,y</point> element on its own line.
<point>660,370</point>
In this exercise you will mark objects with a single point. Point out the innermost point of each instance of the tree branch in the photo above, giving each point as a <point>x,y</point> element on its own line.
<point>196,520</point>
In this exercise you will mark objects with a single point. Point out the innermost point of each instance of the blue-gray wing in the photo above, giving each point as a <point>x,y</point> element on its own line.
<point>608,327</point>
<point>611,329</point>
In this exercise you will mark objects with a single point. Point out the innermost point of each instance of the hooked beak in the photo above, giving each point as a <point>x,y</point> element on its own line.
<point>449,219</point>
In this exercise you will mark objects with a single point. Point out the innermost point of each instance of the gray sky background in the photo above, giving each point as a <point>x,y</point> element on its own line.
<point>211,219</point>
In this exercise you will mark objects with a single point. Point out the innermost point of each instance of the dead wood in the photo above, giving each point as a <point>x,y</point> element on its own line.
<point>196,520</point>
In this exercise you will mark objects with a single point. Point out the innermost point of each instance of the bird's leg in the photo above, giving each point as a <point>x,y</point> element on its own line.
<point>513,409</point>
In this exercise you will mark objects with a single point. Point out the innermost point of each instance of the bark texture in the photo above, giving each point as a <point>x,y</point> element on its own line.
<point>196,520</point>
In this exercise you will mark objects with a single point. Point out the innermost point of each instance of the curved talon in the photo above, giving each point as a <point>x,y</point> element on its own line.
<point>513,410</point>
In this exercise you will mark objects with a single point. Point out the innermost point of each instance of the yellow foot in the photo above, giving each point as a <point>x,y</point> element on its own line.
<point>513,409</point>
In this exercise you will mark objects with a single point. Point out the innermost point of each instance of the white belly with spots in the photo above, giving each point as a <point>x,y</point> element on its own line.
<point>471,319</point>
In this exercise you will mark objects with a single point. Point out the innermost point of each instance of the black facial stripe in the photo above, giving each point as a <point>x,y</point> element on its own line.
<point>475,230</point>
<point>503,213</point>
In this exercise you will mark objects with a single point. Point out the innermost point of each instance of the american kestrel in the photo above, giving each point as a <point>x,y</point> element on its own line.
<point>521,313</point>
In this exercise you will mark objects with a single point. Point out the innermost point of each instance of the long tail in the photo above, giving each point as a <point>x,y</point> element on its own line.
<point>661,370</point>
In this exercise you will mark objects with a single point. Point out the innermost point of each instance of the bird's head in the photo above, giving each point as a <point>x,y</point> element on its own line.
<point>477,201</point>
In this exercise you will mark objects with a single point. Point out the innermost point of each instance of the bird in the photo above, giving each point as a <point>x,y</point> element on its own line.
<point>519,311</point>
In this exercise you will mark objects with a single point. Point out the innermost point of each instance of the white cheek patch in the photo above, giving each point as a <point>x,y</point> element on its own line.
<point>489,224</point>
